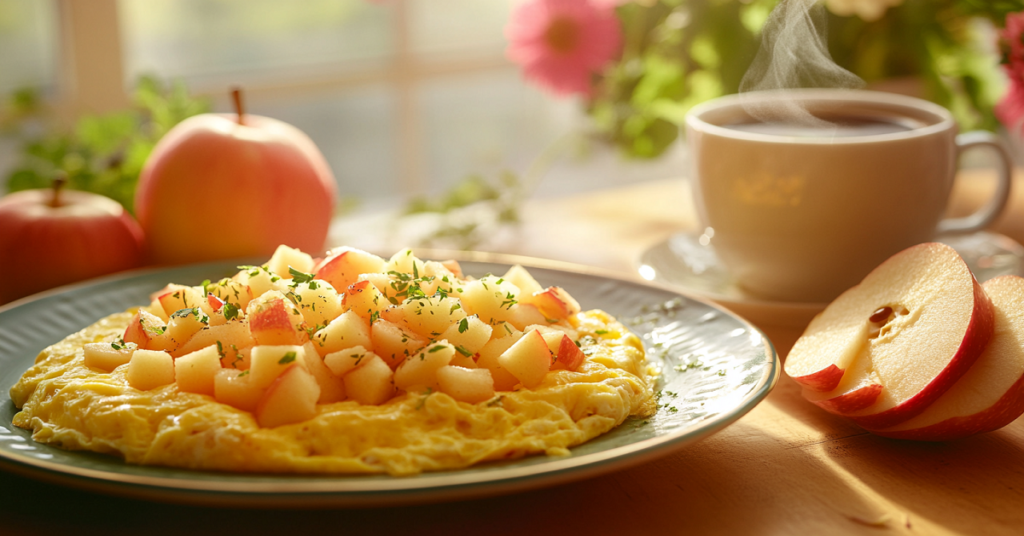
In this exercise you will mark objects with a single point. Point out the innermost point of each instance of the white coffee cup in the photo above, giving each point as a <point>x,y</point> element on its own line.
<point>803,213</point>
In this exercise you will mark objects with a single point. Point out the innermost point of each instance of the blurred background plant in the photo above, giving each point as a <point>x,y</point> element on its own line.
<point>678,53</point>
<point>103,154</point>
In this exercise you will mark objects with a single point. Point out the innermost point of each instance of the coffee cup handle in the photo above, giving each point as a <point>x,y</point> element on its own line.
<point>988,213</point>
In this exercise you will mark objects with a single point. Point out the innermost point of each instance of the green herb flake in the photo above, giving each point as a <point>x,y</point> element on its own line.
<point>463,325</point>
<point>464,351</point>
<point>230,311</point>
<point>288,358</point>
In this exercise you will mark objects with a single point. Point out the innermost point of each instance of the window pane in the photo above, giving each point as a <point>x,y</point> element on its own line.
<point>461,28</point>
<point>355,130</point>
<point>214,42</point>
<point>28,43</point>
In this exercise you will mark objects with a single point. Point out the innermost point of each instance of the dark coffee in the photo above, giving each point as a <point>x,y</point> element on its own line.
<point>833,127</point>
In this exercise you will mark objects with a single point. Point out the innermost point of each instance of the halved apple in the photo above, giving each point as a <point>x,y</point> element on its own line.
<point>991,394</point>
<point>896,342</point>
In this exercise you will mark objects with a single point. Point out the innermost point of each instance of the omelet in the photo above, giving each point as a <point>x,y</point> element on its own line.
<point>72,405</point>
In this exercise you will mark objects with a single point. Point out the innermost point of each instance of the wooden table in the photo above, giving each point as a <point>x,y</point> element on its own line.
<point>784,468</point>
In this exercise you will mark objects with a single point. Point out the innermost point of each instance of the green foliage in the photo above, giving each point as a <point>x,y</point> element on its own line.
<point>102,153</point>
<point>467,205</point>
<point>678,53</point>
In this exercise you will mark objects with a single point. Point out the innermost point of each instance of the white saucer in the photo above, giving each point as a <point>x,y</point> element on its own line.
<point>686,261</point>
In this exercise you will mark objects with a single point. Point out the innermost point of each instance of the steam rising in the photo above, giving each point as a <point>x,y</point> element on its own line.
<point>794,54</point>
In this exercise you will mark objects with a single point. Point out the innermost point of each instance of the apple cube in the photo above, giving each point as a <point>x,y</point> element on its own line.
<point>285,258</point>
<point>345,331</point>
<point>318,302</point>
<point>194,372</point>
<point>260,280</point>
<point>332,388</point>
<point>503,379</point>
<point>404,262</point>
<point>184,323</point>
<point>491,298</point>
<point>464,360</point>
<point>420,370</point>
<point>275,320</point>
<point>269,362</point>
<point>231,291</point>
<point>523,280</point>
<point>342,362</point>
<point>528,359</point>
<point>522,315</point>
<point>428,316</point>
<point>565,353</point>
<point>371,383</point>
<point>177,297</point>
<point>154,308</point>
<point>453,266</point>
<point>554,303</point>
<point>466,385</point>
<point>469,334</point>
<point>393,343</point>
<point>150,369</point>
<point>383,283</point>
<point>143,328</point>
<point>897,341</point>
<point>230,338</point>
<point>343,266</point>
<point>107,356</point>
<point>291,398</point>
<point>232,387</point>
<point>365,299</point>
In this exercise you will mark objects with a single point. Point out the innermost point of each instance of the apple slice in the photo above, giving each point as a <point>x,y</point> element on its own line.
<point>898,340</point>
<point>420,370</point>
<point>393,343</point>
<point>365,299</point>
<point>269,362</point>
<point>342,266</point>
<point>347,330</point>
<point>332,389</point>
<point>466,385</point>
<point>285,257</point>
<point>468,335</point>
<point>177,297</point>
<point>991,394</point>
<point>553,302</point>
<point>233,388</point>
<point>194,372</point>
<point>370,383</point>
<point>291,398</point>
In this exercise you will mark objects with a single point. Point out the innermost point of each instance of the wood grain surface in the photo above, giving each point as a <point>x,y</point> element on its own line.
<point>784,468</point>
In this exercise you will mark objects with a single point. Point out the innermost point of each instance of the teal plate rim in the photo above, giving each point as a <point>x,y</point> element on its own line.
<point>722,361</point>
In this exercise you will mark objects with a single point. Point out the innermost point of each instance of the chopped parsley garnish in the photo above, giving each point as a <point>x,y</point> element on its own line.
<point>602,332</point>
<point>205,283</point>
<point>496,401</point>
<point>464,351</point>
<point>243,373</point>
<point>423,400</point>
<point>288,358</point>
<point>463,325</point>
<point>299,277</point>
<point>437,348</point>
<point>230,311</point>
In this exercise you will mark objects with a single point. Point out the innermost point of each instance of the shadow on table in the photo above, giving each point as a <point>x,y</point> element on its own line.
<point>973,485</point>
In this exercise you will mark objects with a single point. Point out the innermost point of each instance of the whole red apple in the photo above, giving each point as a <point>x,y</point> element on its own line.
<point>50,238</point>
<point>233,185</point>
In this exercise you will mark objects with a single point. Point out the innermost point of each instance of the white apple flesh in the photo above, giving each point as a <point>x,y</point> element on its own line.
<point>991,394</point>
<point>898,340</point>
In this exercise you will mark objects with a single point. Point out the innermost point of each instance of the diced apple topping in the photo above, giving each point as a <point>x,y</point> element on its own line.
<point>466,385</point>
<point>194,372</point>
<point>345,331</point>
<point>286,259</point>
<point>278,339</point>
<point>291,398</point>
<point>107,356</point>
<point>370,383</point>
<point>149,369</point>
<point>275,320</point>
<point>420,370</point>
<point>528,359</point>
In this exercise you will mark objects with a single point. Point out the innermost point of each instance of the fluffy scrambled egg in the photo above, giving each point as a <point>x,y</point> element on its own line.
<point>67,404</point>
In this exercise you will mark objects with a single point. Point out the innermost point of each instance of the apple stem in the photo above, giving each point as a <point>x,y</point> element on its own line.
<point>59,182</point>
<point>236,96</point>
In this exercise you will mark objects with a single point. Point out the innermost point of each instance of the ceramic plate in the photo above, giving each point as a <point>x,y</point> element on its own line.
<point>688,261</point>
<point>715,365</point>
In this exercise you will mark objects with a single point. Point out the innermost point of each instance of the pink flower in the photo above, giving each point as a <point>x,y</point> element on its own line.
<point>561,44</point>
<point>1010,110</point>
